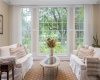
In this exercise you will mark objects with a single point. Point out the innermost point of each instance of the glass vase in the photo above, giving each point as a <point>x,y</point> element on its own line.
<point>51,55</point>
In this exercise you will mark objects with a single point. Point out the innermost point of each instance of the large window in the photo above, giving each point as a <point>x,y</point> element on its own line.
<point>66,24</point>
<point>26,26</point>
<point>53,23</point>
<point>79,26</point>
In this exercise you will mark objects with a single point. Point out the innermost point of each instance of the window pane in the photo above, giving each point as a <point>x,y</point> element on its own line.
<point>41,26</point>
<point>77,18</point>
<point>46,26</point>
<point>77,34</point>
<point>81,17</point>
<point>64,26</point>
<point>81,34</point>
<point>64,34</point>
<point>77,10</point>
<point>26,26</point>
<point>79,26</point>
<point>54,24</point>
<point>60,26</point>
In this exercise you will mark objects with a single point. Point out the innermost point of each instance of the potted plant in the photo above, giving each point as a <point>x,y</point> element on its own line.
<point>51,43</point>
<point>96,42</point>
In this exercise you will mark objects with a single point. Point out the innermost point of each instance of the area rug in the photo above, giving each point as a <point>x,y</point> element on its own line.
<point>64,72</point>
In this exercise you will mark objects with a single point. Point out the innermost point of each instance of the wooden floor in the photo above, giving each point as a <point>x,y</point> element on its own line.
<point>64,72</point>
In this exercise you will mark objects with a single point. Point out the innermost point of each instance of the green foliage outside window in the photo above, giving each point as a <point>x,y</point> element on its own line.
<point>52,22</point>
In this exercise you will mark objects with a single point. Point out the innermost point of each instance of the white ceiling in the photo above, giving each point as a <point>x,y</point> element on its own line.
<point>50,2</point>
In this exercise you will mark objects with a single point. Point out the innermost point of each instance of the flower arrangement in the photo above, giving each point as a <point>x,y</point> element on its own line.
<point>51,42</point>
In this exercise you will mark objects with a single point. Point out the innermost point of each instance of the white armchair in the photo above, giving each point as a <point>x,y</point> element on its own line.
<point>85,67</point>
<point>23,63</point>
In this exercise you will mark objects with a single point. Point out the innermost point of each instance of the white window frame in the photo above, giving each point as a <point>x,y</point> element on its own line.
<point>35,28</point>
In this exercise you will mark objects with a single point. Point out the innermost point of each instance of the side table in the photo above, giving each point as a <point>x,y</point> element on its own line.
<point>6,68</point>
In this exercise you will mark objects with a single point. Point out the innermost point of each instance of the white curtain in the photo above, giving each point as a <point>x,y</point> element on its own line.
<point>88,24</point>
<point>15,28</point>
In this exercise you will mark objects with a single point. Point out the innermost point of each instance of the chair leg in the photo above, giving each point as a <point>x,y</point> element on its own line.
<point>7,75</point>
<point>0,76</point>
<point>13,73</point>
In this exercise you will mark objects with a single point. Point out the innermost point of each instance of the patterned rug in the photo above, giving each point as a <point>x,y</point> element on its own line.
<point>64,72</point>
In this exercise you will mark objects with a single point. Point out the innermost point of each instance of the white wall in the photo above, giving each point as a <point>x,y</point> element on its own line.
<point>97,21</point>
<point>4,10</point>
<point>10,23</point>
<point>98,29</point>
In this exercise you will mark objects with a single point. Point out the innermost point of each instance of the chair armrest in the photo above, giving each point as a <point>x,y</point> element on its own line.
<point>10,59</point>
<point>78,62</point>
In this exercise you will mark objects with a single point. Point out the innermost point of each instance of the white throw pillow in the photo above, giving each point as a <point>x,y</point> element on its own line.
<point>86,51</point>
<point>18,52</point>
<point>13,45</point>
<point>5,51</point>
<point>82,53</point>
<point>25,46</point>
<point>26,49</point>
<point>97,52</point>
<point>77,51</point>
<point>86,46</point>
